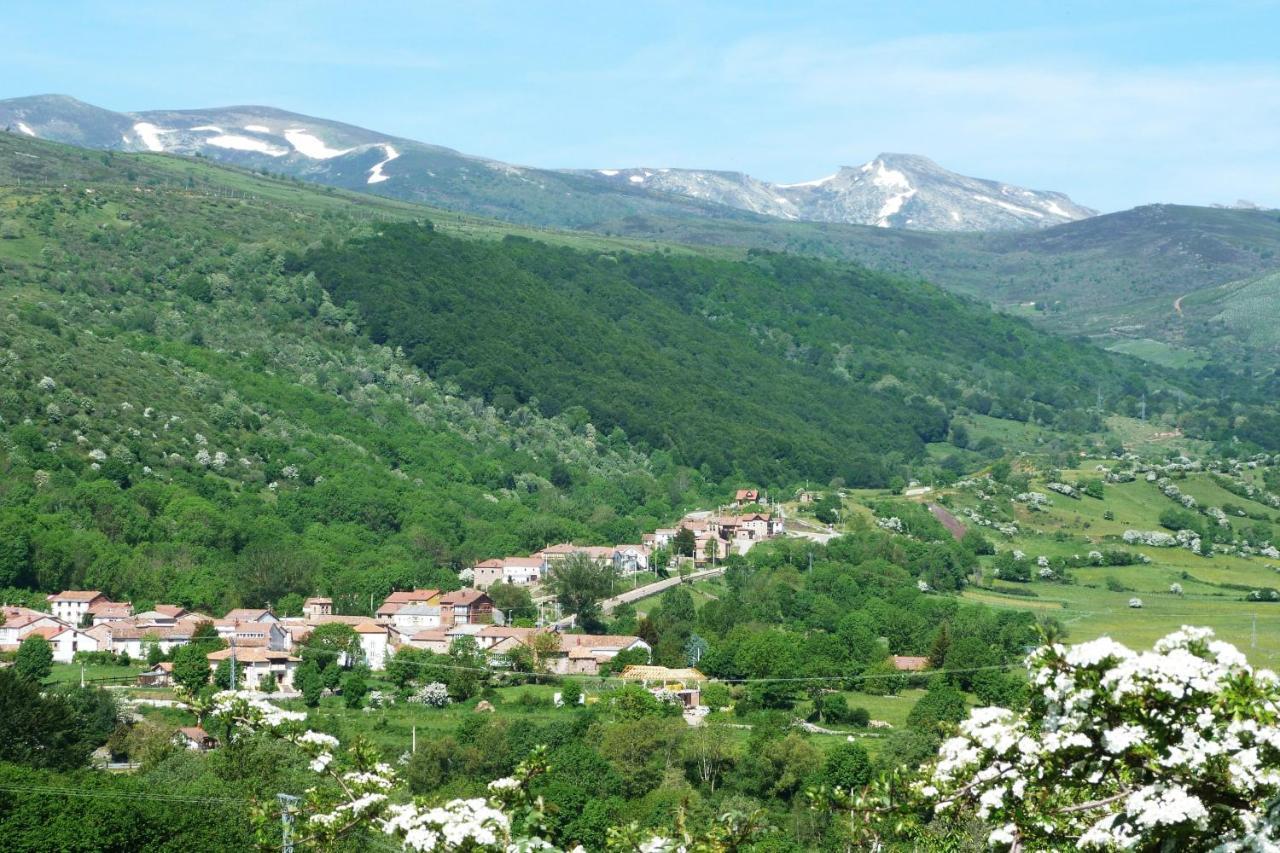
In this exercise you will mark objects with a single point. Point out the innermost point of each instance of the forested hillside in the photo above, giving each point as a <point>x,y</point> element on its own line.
<point>779,367</point>
<point>182,419</point>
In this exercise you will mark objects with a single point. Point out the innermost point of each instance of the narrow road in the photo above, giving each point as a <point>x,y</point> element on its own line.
<point>645,591</point>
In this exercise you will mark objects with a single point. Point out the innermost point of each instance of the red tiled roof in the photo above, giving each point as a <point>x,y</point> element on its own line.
<point>174,610</point>
<point>910,663</point>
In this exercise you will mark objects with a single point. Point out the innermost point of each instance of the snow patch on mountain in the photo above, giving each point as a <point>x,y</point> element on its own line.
<point>246,143</point>
<point>309,145</point>
<point>257,128</point>
<point>376,175</point>
<point>23,127</point>
<point>211,128</point>
<point>150,135</point>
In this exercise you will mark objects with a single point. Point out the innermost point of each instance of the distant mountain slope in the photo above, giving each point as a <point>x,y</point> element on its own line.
<point>891,191</point>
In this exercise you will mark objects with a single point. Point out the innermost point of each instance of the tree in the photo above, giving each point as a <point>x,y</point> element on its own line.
<point>34,660</point>
<point>354,688</point>
<point>1173,749</point>
<point>847,766</point>
<point>942,703</point>
<point>684,543</point>
<point>579,582</point>
<point>35,730</point>
<point>222,676</point>
<point>309,682</point>
<point>513,600</point>
<point>332,644</point>
<point>154,653</point>
<point>191,667</point>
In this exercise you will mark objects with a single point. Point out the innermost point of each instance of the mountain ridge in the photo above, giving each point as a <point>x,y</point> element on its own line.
<point>892,191</point>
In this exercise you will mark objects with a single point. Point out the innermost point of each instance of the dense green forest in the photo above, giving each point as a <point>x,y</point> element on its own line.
<point>778,368</point>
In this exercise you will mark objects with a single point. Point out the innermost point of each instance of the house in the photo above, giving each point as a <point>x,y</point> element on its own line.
<point>583,653</point>
<point>412,618</point>
<point>432,640</point>
<point>255,664</point>
<point>245,633</point>
<point>160,675</point>
<point>317,607</point>
<point>67,641</point>
<point>486,573</point>
<point>556,553</point>
<point>574,654</point>
<point>250,614</point>
<point>110,611</point>
<point>663,536</point>
<point>684,683</point>
<point>396,600</point>
<point>523,571</point>
<point>20,621</point>
<point>127,637</point>
<point>465,607</point>
<point>195,738</point>
<point>745,496</point>
<point>72,605</point>
<point>174,611</point>
<point>629,559</point>
<point>375,641</point>
<point>909,663</point>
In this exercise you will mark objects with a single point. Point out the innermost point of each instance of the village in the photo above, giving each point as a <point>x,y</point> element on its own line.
<point>265,647</point>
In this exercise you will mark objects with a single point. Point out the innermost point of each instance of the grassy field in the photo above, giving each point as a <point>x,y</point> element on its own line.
<point>1095,601</point>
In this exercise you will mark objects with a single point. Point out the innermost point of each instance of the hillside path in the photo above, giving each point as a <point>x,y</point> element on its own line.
<point>1177,305</point>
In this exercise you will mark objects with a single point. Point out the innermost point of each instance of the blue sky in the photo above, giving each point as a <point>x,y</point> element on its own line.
<point>1116,104</point>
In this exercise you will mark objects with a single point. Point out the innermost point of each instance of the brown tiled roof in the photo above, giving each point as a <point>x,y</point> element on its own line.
<point>245,614</point>
<point>174,610</point>
<point>370,628</point>
<point>75,595</point>
<point>253,654</point>
<point>430,634</point>
<point>523,562</point>
<point>462,596</point>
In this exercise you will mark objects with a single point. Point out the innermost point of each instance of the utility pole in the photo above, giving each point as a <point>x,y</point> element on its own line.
<point>287,802</point>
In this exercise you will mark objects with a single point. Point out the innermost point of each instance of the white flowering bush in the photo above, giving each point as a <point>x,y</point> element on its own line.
<point>433,695</point>
<point>1175,588</point>
<point>1135,603</point>
<point>1176,748</point>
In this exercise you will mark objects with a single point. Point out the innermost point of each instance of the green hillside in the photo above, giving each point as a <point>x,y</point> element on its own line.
<point>183,419</point>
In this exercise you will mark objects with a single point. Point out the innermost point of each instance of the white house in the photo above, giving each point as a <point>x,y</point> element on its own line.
<point>254,664</point>
<point>68,641</point>
<point>374,643</point>
<point>523,571</point>
<point>71,605</point>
